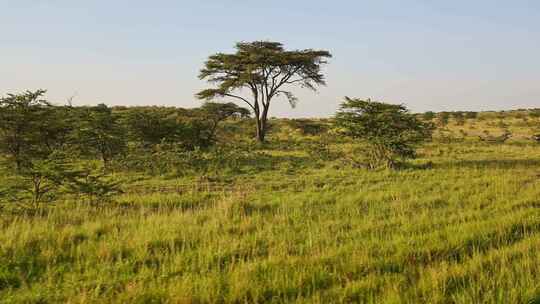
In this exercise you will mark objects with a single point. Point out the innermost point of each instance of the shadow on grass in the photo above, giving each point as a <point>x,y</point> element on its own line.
<point>535,299</point>
<point>480,243</point>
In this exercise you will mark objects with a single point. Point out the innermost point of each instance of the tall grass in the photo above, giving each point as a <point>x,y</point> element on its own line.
<point>465,229</point>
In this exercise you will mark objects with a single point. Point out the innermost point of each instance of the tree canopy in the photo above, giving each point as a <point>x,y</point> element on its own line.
<point>29,127</point>
<point>389,130</point>
<point>265,70</point>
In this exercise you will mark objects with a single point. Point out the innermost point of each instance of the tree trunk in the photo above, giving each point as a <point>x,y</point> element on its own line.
<point>261,129</point>
<point>104,157</point>
<point>262,125</point>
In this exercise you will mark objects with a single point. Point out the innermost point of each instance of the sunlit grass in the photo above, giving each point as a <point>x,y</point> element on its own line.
<point>465,229</point>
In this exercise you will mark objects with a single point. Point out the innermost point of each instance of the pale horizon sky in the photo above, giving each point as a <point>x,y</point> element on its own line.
<point>429,55</point>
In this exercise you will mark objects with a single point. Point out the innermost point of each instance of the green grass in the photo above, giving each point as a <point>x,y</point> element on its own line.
<point>465,229</point>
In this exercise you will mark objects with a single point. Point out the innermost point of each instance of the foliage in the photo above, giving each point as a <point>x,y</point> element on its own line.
<point>29,127</point>
<point>40,181</point>
<point>471,115</point>
<point>96,186</point>
<point>443,118</point>
<point>101,133</point>
<point>389,131</point>
<point>153,126</point>
<point>459,117</point>
<point>34,136</point>
<point>308,126</point>
<point>429,115</point>
<point>534,113</point>
<point>218,112</point>
<point>265,69</point>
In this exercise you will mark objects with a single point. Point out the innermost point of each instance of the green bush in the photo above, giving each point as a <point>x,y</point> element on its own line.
<point>389,130</point>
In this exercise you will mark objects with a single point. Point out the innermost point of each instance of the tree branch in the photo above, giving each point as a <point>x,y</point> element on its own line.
<point>241,98</point>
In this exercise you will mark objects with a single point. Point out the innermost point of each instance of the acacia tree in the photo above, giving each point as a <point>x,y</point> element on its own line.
<point>429,115</point>
<point>22,118</point>
<point>443,118</point>
<point>218,112</point>
<point>265,70</point>
<point>101,133</point>
<point>34,135</point>
<point>152,126</point>
<point>389,131</point>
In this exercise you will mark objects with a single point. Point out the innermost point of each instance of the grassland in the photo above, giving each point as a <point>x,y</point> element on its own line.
<point>290,223</point>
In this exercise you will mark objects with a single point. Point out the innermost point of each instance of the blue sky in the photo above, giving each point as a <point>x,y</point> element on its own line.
<point>430,55</point>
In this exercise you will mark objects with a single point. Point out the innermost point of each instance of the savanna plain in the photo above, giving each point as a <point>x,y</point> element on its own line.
<point>296,219</point>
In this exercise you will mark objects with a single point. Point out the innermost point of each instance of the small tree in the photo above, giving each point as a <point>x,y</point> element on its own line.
<point>264,69</point>
<point>534,113</point>
<point>218,112</point>
<point>95,185</point>
<point>442,118</point>
<point>308,126</point>
<point>101,133</point>
<point>24,118</point>
<point>39,180</point>
<point>151,127</point>
<point>34,135</point>
<point>429,116</point>
<point>389,131</point>
<point>459,118</point>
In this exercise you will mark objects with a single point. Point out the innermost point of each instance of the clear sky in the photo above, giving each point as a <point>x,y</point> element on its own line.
<point>430,55</point>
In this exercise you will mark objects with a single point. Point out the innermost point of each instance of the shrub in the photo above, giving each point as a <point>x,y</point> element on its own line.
<point>442,118</point>
<point>389,131</point>
<point>30,127</point>
<point>459,117</point>
<point>101,134</point>
<point>95,186</point>
<point>308,127</point>
<point>429,116</point>
<point>39,181</point>
<point>471,115</point>
<point>534,113</point>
